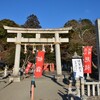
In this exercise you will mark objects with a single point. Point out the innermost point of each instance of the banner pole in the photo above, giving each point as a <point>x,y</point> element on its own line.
<point>88,76</point>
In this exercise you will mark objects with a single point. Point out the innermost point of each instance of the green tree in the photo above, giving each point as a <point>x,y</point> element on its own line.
<point>6,22</point>
<point>32,22</point>
<point>7,49</point>
<point>82,34</point>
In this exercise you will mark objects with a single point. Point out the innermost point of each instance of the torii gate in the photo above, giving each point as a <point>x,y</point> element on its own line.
<point>19,40</point>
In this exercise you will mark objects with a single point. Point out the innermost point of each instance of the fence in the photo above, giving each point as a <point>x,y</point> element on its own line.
<point>90,88</point>
<point>84,88</point>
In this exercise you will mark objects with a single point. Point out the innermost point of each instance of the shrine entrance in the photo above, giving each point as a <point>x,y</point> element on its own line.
<point>19,40</point>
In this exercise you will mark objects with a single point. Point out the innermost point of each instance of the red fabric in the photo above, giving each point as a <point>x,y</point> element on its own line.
<point>29,65</point>
<point>87,59</point>
<point>39,64</point>
<point>46,67</point>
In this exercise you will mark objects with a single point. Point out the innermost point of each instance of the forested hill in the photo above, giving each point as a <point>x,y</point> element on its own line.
<point>82,34</point>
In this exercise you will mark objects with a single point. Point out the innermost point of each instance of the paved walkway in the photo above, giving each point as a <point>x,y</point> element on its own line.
<point>46,89</point>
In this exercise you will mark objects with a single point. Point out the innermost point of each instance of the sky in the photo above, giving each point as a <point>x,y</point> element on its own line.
<point>50,13</point>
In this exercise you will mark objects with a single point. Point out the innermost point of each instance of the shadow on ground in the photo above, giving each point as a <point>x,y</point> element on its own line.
<point>66,96</point>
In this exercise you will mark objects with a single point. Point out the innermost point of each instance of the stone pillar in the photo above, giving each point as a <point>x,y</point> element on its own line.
<point>82,87</point>
<point>78,87</point>
<point>5,71</point>
<point>98,44</point>
<point>58,55</point>
<point>70,87</point>
<point>17,55</point>
<point>37,35</point>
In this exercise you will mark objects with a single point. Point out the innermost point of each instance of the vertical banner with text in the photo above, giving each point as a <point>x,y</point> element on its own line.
<point>39,64</point>
<point>87,59</point>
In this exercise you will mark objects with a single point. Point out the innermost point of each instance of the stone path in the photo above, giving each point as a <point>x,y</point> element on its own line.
<point>46,89</point>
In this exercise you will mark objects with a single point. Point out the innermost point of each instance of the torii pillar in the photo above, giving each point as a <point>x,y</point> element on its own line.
<point>58,55</point>
<point>17,55</point>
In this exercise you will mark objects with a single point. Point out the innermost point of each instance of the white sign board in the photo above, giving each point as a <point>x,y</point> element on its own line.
<point>77,67</point>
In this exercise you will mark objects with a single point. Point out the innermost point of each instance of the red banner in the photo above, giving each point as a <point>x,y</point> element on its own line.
<point>87,59</point>
<point>39,64</point>
<point>29,65</point>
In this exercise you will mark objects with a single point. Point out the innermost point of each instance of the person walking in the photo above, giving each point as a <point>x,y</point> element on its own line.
<point>33,85</point>
<point>31,66</point>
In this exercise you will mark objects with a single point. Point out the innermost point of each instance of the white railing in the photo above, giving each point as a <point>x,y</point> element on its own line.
<point>84,88</point>
<point>90,88</point>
